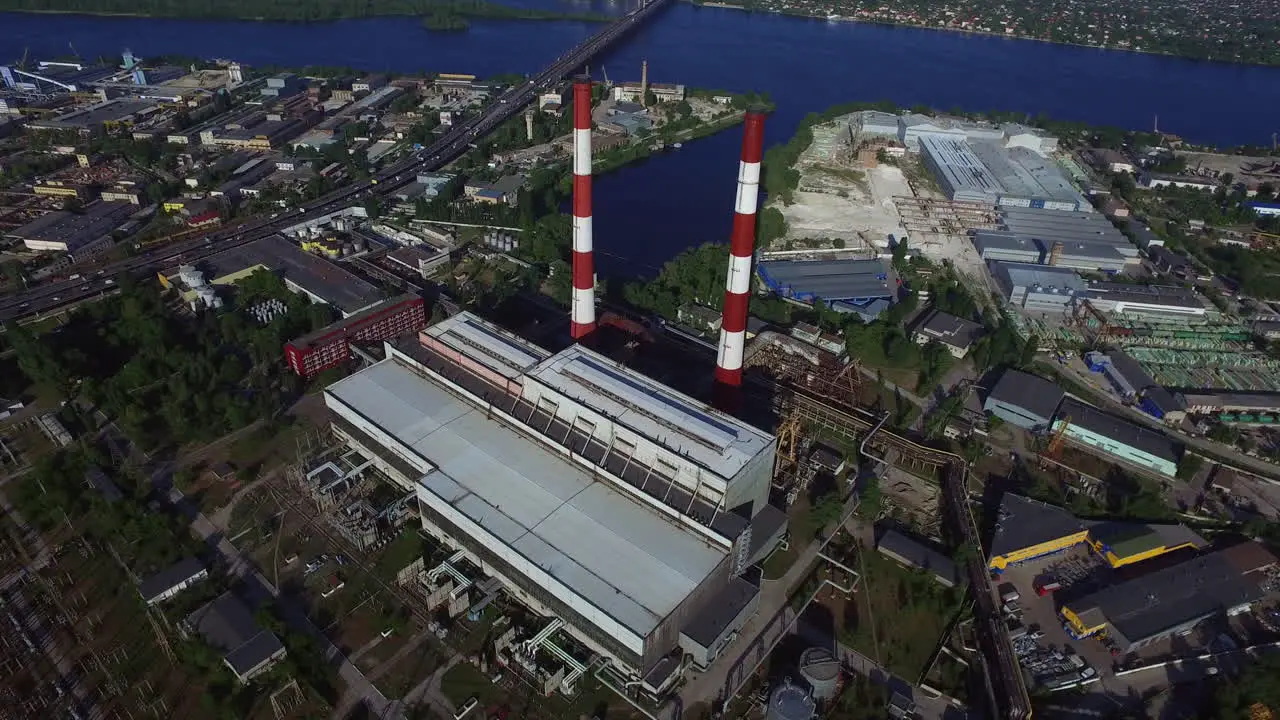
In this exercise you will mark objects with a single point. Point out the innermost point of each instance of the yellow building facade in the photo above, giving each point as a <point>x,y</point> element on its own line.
<point>1012,557</point>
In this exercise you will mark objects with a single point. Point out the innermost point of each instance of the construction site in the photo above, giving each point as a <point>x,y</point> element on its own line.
<point>838,203</point>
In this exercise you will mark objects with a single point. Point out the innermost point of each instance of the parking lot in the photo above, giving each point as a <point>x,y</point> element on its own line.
<point>1046,650</point>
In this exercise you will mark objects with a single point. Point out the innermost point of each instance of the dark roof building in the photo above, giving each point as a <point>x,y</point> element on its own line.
<point>227,624</point>
<point>1087,425</point>
<point>301,271</point>
<point>917,554</point>
<point>1024,400</point>
<point>955,333</point>
<point>1169,601</point>
<point>711,628</point>
<point>1028,529</point>
<point>172,580</point>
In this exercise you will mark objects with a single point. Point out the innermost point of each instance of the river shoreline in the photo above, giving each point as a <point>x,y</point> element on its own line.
<point>515,16</point>
<point>719,4</point>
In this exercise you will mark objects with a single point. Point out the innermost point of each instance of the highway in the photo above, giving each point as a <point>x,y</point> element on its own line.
<point>50,297</point>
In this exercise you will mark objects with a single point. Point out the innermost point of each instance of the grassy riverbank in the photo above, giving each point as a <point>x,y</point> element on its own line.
<point>619,158</point>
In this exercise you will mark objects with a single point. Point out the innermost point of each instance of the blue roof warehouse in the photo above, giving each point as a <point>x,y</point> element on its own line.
<point>864,287</point>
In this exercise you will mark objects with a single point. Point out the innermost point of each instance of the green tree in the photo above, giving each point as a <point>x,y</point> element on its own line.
<point>772,226</point>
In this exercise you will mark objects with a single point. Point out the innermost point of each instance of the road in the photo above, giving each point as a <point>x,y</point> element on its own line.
<point>456,142</point>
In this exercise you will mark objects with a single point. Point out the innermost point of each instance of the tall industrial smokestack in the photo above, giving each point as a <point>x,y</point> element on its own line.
<point>644,81</point>
<point>733,328</point>
<point>584,276</point>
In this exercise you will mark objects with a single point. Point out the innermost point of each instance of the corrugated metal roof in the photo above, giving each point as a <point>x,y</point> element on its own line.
<point>497,350</point>
<point>681,424</point>
<point>831,279</point>
<point>621,557</point>
<point>1035,395</point>
<point>1155,603</point>
<point>1122,431</point>
<point>1045,276</point>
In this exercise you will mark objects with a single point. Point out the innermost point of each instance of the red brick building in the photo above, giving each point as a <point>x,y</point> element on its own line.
<point>330,346</point>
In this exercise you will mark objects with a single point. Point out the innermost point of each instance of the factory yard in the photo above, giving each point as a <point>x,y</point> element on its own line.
<point>836,200</point>
<point>897,616</point>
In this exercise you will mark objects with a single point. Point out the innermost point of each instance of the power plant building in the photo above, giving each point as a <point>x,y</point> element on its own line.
<point>595,494</point>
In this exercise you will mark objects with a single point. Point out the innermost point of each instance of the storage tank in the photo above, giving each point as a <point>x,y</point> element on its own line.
<point>790,702</point>
<point>821,670</point>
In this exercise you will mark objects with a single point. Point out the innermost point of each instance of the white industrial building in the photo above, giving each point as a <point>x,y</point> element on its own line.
<point>595,494</point>
<point>1155,299</point>
<point>986,172</point>
<point>913,126</point>
<point>1039,288</point>
<point>1079,240</point>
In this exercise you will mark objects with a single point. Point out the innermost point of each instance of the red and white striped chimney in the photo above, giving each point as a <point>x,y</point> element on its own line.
<point>737,288</point>
<point>583,313</point>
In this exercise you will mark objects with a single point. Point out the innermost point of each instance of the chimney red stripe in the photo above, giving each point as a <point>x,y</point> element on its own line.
<point>582,196</point>
<point>753,137</point>
<point>735,312</point>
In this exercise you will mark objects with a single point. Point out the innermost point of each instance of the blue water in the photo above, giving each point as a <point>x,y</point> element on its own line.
<point>647,213</point>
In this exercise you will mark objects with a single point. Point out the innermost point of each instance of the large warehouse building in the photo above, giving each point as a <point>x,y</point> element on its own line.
<point>1120,438</point>
<point>1080,240</point>
<point>984,172</point>
<point>1173,600</point>
<point>1113,297</point>
<point>595,494</point>
<point>864,287</point>
<point>1039,288</point>
<point>1029,529</point>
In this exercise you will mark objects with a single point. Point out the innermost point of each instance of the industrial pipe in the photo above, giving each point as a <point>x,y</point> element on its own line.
<point>733,328</point>
<point>583,313</point>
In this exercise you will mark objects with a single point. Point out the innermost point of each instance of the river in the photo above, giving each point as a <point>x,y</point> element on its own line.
<point>647,213</point>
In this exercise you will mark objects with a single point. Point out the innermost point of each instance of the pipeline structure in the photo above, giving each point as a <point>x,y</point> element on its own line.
<point>583,304</point>
<point>1006,687</point>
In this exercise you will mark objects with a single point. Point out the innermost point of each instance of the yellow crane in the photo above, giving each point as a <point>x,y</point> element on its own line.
<point>1053,450</point>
